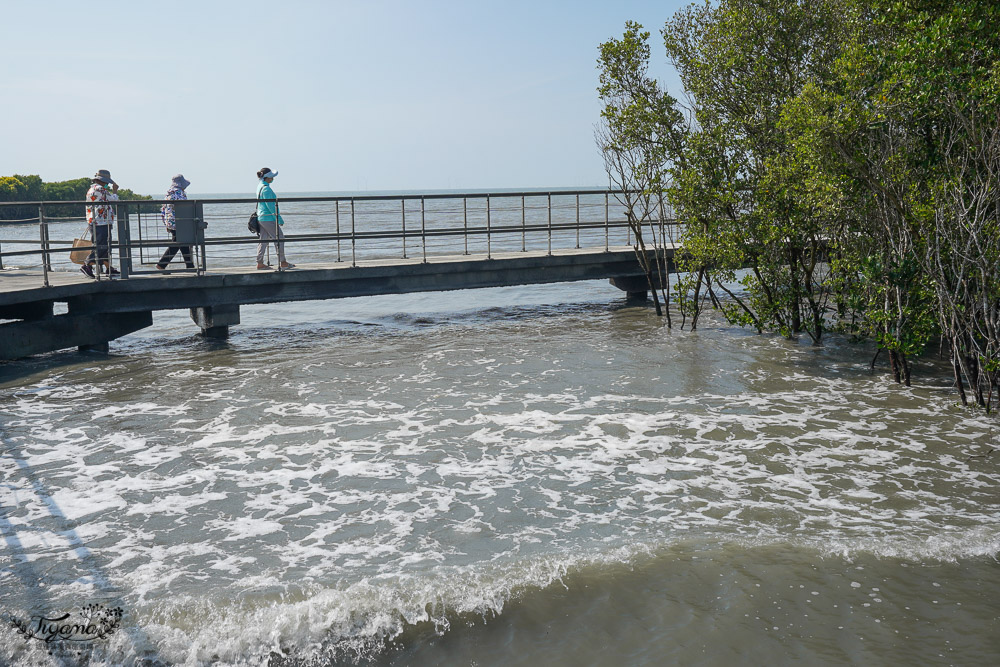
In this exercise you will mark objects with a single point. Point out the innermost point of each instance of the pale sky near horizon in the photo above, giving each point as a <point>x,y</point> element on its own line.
<point>336,96</point>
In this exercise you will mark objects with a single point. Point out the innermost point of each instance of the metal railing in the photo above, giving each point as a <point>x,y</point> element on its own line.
<point>377,227</point>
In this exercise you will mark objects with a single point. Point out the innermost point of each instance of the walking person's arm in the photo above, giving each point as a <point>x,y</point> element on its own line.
<point>267,205</point>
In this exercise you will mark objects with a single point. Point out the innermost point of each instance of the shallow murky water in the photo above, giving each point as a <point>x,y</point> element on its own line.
<point>517,476</point>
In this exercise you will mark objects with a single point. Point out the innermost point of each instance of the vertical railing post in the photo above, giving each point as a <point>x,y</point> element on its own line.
<point>550,222</point>
<point>46,242</point>
<point>402,210</point>
<point>423,229</point>
<point>465,222</point>
<point>124,243</point>
<point>489,231</point>
<point>523,235</point>
<point>663,229</point>
<point>606,230</point>
<point>96,251</point>
<point>121,220</point>
<point>93,241</point>
<point>338,231</point>
<point>129,263</point>
<point>578,222</point>
<point>354,256</point>
<point>628,230</point>
<point>277,231</point>
<point>200,225</point>
<point>43,231</point>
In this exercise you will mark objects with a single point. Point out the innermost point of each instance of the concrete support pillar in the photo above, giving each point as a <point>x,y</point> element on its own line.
<point>636,288</point>
<point>637,297</point>
<point>215,321</point>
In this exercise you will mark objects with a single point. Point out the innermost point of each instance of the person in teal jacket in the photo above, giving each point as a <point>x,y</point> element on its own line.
<point>270,220</point>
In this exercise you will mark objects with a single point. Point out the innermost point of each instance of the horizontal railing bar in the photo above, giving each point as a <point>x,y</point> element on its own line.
<point>389,235</point>
<point>386,234</point>
<point>51,251</point>
<point>373,235</point>
<point>334,198</point>
<point>29,241</point>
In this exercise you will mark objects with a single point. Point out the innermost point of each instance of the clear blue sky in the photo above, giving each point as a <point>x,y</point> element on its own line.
<point>365,95</point>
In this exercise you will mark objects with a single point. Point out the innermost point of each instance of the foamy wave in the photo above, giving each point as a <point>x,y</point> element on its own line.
<point>949,547</point>
<point>337,498</point>
<point>352,623</point>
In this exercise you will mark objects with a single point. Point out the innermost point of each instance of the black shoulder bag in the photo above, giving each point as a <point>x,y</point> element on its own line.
<point>253,224</point>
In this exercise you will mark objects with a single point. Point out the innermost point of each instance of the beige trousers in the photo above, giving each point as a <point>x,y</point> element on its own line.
<point>271,231</point>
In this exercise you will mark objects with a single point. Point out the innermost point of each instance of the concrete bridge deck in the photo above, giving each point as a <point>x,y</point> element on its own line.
<point>100,311</point>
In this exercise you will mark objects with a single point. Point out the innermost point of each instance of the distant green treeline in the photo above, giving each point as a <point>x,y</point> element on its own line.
<point>32,188</point>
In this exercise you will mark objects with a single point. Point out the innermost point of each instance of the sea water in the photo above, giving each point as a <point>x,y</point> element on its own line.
<point>539,475</point>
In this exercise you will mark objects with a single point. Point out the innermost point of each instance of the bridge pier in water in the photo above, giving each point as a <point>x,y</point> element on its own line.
<point>636,288</point>
<point>215,321</point>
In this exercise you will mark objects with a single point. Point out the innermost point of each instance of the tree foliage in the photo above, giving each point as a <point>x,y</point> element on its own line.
<point>31,188</point>
<point>841,161</point>
<point>908,124</point>
<point>640,133</point>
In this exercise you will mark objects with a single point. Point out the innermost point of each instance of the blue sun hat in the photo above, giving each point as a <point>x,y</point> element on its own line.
<point>104,176</point>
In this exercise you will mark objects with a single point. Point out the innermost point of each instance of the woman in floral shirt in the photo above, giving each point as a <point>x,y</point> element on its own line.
<point>100,219</point>
<point>176,192</point>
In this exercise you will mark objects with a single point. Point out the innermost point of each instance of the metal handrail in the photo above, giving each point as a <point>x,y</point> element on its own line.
<point>331,198</point>
<point>355,236</point>
<point>495,207</point>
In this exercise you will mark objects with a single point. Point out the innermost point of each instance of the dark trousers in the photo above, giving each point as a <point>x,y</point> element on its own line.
<point>172,250</point>
<point>102,240</point>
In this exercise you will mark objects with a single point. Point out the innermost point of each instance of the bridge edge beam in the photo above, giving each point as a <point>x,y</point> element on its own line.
<point>91,331</point>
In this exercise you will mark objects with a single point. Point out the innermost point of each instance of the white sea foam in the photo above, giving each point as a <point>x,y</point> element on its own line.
<point>450,480</point>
